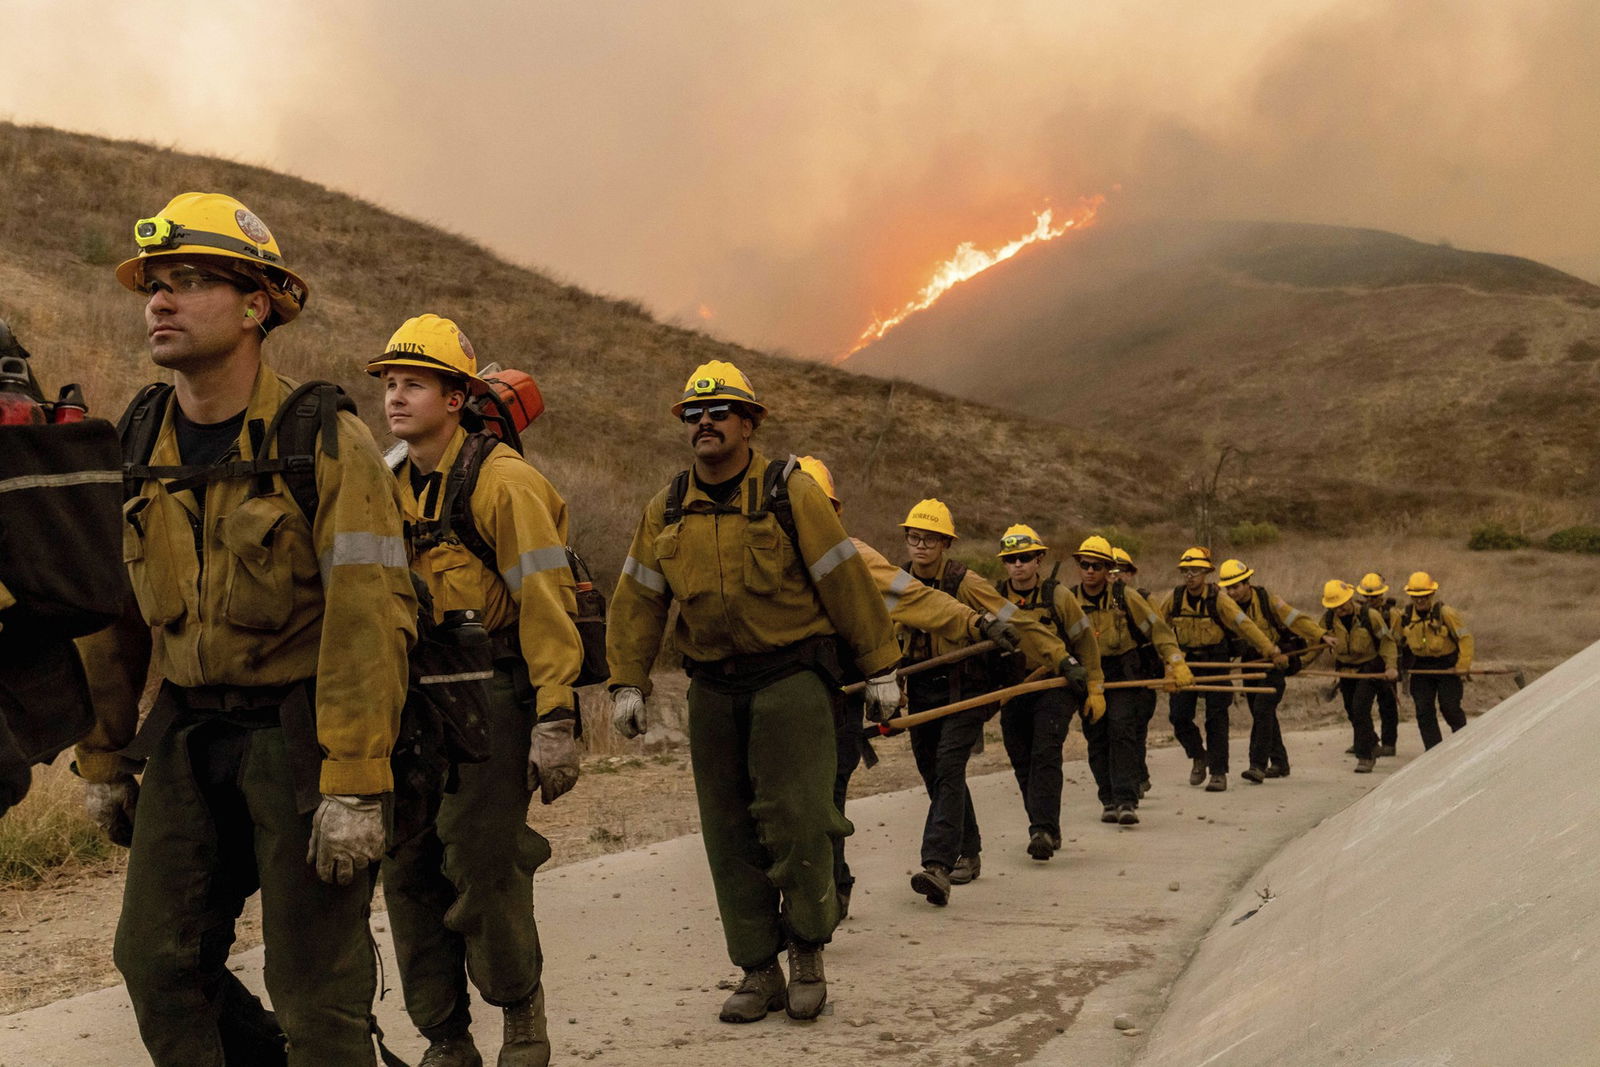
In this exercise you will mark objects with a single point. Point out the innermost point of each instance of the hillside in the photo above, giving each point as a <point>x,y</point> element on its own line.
<point>1358,371</point>
<point>608,371</point>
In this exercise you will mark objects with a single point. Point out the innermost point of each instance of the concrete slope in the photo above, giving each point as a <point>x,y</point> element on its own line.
<point>1449,917</point>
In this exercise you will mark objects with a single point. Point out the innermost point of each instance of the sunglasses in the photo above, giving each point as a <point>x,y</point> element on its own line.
<point>1093,565</point>
<point>718,413</point>
<point>1026,557</point>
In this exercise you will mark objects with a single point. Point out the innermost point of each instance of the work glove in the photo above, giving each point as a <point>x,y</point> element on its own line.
<point>346,837</point>
<point>1279,659</point>
<point>1094,706</point>
<point>628,711</point>
<point>1182,677</point>
<point>111,805</point>
<point>1391,675</point>
<point>553,758</point>
<point>1003,634</point>
<point>883,697</point>
<point>1077,678</point>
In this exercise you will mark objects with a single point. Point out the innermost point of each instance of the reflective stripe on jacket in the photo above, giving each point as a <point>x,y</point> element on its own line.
<point>1111,623</point>
<point>920,607</point>
<point>1040,645</point>
<point>1428,636</point>
<point>1290,618</point>
<point>1080,633</point>
<point>1194,627</point>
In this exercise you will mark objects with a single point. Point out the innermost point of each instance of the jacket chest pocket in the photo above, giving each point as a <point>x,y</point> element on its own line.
<point>259,580</point>
<point>455,578</point>
<point>688,574</point>
<point>764,558</point>
<point>158,549</point>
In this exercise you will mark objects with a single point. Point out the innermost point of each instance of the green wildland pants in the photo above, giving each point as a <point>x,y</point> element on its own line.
<point>460,896</point>
<point>764,766</point>
<point>217,820</point>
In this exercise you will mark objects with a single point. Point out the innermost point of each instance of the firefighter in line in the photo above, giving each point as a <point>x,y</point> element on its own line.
<point>952,845</point>
<point>1373,592</point>
<point>280,642</point>
<point>1126,574</point>
<point>460,896</point>
<point>768,587</point>
<point>1034,725</point>
<point>909,603</point>
<point>1202,620</point>
<point>1293,629</point>
<point>1135,645</point>
<point>1434,637</point>
<point>1362,644</point>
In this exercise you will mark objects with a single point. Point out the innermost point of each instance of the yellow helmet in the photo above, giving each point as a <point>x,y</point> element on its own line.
<point>1123,561</point>
<point>1421,584</point>
<point>822,476</point>
<point>215,226</point>
<point>1095,547</point>
<point>719,380</point>
<point>1335,593</point>
<point>1232,573</point>
<point>1019,540</point>
<point>435,344</point>
<point>1372,585</point>
<point>931,515</point>
<point>1196,558</point>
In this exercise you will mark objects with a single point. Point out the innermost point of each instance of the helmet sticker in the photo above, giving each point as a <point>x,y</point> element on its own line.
<point>252,227</point>
<point>466,346</point>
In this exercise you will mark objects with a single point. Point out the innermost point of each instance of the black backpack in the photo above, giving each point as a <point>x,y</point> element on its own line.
<point>1286,639</point>
<point>774,499</point>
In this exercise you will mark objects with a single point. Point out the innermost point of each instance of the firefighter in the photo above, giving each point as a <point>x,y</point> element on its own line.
<point>768,587</point>
<point>1125,574</point>
<point>1034,725</point>
<point>1363,644</point>
<point>952,845</point>
<point>1373,592</point>
<point>1202,621</point>
<point>280,641</point>
<point>1293,629</point>
<point>460,895</point>
<point>1434,637</point>
<point>1135,645</point>
<point>909,603</point>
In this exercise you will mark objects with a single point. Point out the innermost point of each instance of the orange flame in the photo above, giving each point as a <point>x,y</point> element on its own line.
<point>705,313</point>
<point>968,262</point>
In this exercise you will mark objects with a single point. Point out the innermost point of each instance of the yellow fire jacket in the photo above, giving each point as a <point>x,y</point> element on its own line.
<point>522,517</point>
<point>1040,645</point>
<point>1111,623</point>
<point>1428,636</point>
<point>1355,641</point>
<point>740,585</point>
<point>1194,627</point>
<point>244,592</point>
<point>1290,618</point>
<point>1080,634</point>
<point>920,607</point>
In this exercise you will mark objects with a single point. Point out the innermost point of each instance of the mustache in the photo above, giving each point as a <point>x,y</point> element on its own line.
<point>708,432</point>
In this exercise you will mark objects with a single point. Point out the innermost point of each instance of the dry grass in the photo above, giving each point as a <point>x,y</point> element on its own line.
<point>48,836</point>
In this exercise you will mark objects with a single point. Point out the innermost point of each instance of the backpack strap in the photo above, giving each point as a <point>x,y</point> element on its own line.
<point>673,511</point>
<point>1120,595</point>
<point>1264,602</point>
<point>455,510</point>
<point>137,431</point>
<point>775,498</point>
<point>1047,592</point>
<point>954,572</point>
<point>307,415</point>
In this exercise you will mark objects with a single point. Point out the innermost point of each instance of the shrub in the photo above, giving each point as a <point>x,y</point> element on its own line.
<point>1583,351</point>
<point>1575,539</point>
<point>1131,543</point>
<point>95,249</point>
<point>1252,534</point>
<point>48,832</point>
<point>1493,537</point>
<point>1512,346</point>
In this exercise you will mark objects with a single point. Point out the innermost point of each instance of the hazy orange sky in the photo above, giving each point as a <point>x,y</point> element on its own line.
<point>794,167</point>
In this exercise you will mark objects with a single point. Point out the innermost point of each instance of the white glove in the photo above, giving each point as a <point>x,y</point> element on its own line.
<point>628,716</point>
<point>111,806</point>
<point>883,697</point>
<point>346,836</point>
<point>553,758</point>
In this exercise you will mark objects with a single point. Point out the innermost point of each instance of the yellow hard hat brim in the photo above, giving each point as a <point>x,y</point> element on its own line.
<point>1337,601</point>
<point>475,384</point>
<point>129,272</point>
<point>1020,551</point>
<point>1095,556</point>
<point>1224,583</point>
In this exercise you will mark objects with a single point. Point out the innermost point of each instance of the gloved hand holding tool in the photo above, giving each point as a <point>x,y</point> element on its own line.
<point>346,836</point>
<point>1003,634</point>
<point>1077,678</point>
<point>1094,706</point>
<point>111,806</point>
<point>883,697</point>
<point>553,757</point>
<point>628,715</point>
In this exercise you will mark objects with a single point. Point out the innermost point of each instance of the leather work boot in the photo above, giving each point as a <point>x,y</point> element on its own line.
<point>1351,751</point>
<point>1385,750</point>
<point>1039,846</point>
<point>1218,784</point>
<point>808,988</point>
<point>526,1041</point>
<point>1197,773</point>
<point>452,1052</point>
<point>761,991</point>
<point>1364,766</point>
<point>933,882</point>
<point>1055,842</point>
<point>966,869</point>
<point>1254,774</point>
<point>1277,770</point>
<point>1144,789</point>
<point>1127,816</point>
<point>843,893</point>
<point>1108,813</point>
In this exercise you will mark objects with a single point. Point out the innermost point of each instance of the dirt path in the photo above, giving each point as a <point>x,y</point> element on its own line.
<point>1031,962</point>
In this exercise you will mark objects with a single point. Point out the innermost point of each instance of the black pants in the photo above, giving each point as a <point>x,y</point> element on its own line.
<point>1034,727</point>
<point>847,728</point>
<point>1266,734</point>
<point>1114,750</point>
<point>1388,698</point>
<point>1435,695</point>
<point>1145,701</point>
<point>1181,708</point>
<point>1359,694</point>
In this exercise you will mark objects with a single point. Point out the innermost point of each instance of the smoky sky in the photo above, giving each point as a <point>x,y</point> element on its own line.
<point>793,168</point>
